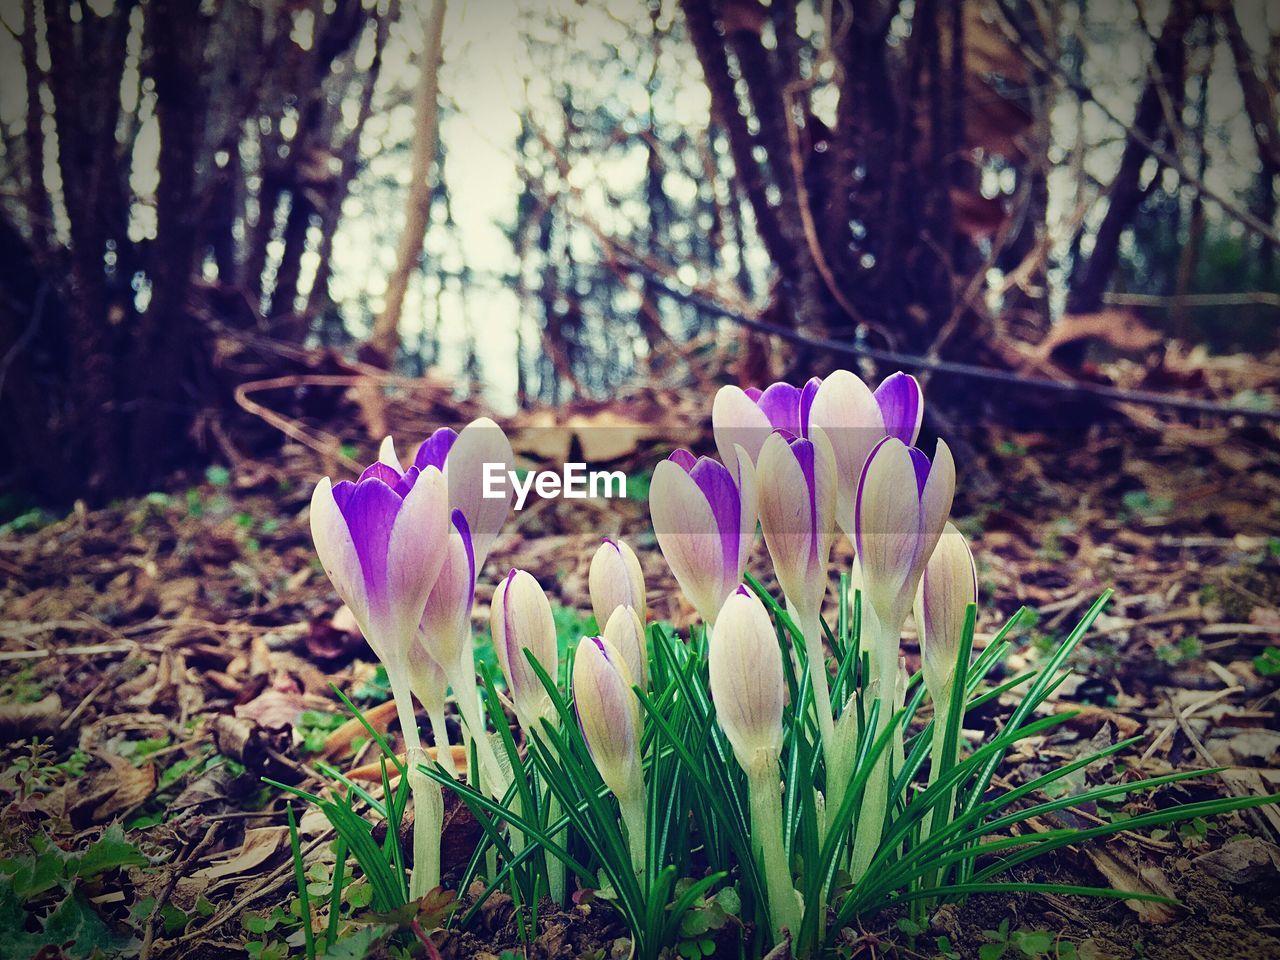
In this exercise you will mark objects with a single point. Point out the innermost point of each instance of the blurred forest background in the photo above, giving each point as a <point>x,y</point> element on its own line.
<point>545,201</point>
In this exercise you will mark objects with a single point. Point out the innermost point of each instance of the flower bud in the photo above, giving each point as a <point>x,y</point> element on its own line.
<point>747,685</point>
<point>797,479</point>
<point>902,504</point>
<point>747,417</point>
<point>704,516</point>
<point>520,620</point>
<point>625,631</point>
<point>446,621</point>
<point>616,580</point>
<point>948,586</point>
<point>608,714</point>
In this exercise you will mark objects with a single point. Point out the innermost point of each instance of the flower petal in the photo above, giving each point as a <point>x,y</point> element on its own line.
<point>688,537</point>
<point>844,408</point>
<point>887,524</point>
<point>415,553</point>
<point>337,551</point>
<point>434,450</point>
<point>736,419</point>
<point>902,406</point>
<point>481,441</point>
<point>387,454</point>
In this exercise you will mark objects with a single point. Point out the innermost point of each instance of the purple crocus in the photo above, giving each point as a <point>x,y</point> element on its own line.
<point>381,542</point>
<point>461,457</point>
<point>747,417</point>
<point>855,420</point>
<point>704,516</point>
<point>901,507</point>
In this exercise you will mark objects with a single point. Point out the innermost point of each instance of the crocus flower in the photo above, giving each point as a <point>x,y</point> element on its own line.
<point>616,580</point>
<point>461,458</point>
<point>609,718</point>
<point>747,417</point>
<point>704,516</point>
<point>797,479</point>
<point>902,504</point>
<point>901,507</point>
<point>520,620</point>
<point>855,420</point>
<point>746,679</point>
<point>626,632</point>
<point>608,713</point>
<point>381,542</point>
<point>947,587</point>
<point>747,688</point>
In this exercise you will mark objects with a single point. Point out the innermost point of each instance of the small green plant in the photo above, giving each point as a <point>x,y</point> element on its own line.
<point>1005,944</point>
<point>1267,663</point>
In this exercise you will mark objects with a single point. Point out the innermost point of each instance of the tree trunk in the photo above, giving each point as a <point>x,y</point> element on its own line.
<point>385,338</point>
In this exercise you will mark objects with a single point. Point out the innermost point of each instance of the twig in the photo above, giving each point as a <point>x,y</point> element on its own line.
<point>950,367</point>
<point>148,939</point>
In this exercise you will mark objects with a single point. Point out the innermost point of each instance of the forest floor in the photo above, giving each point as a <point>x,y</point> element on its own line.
<point>164,653</point>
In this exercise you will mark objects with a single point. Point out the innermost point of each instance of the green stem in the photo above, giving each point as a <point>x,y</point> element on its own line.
<point>440,733</point>
<point>765,800</point>
<point>811,626</point>
<point>555,867</point>
<point>875,798</point>
<point>635,819</point>
<point>428,802</point>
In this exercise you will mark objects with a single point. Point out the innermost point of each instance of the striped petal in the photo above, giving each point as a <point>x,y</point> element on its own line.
<point>887,529</point>
<point>415,553</point>
<point>446,620</point>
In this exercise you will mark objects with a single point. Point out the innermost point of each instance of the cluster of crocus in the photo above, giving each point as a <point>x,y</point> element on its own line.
<point>828,455</point>
<point>402,546</point>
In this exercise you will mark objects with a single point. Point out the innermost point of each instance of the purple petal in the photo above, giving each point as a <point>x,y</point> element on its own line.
<point>716,484</point>
<point>370,513</point>
<point>742,589</point>
<point>405,483</point>
<point>901,405</point>
<point>806,403</point>
<point>921,463</point>
<point>342,491</point>
<point>435,449</point>
<point>460,524</point>
<point>804,453</point>
<point>753,394</point>
<point>684,459</point>
<point>387,474</point>
<point>781,404</point>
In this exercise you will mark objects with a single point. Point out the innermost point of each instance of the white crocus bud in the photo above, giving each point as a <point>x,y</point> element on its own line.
<point>616,580</point>
<point>520,619</point>
<point>625,631</point>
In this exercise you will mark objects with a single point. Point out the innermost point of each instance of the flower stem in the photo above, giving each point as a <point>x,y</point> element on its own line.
<point>811,626</point>
<point>428,802</point>
<point>875,797</point>
<point>765,800</point>
<point>440,733</point>
<point>635,819</point>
